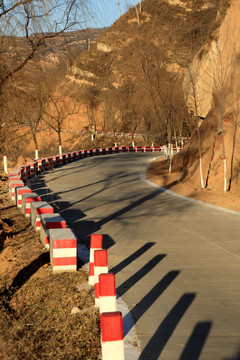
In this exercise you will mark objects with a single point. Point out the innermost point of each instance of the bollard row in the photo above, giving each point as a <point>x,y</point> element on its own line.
<point>62,243</point>
<point>111,322</point>
<point>59,240</point>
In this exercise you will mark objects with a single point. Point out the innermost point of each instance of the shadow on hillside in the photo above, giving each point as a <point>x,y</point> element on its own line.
<point>22,277</point>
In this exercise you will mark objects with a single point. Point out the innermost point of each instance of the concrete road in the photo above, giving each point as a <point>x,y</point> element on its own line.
<point>177,263</point>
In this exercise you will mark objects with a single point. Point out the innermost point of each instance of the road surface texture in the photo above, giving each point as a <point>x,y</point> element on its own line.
<point>177,262</point>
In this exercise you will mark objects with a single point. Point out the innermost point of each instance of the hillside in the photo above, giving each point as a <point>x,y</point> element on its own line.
<point>146,61</point>
<point>133,79</point>
<point>13,49</point>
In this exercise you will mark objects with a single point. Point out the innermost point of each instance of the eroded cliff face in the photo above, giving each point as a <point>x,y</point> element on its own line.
<point>213,80</point>
<point>210,72</point>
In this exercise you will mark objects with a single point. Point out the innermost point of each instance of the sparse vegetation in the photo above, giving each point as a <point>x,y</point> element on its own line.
<point>35,305</point>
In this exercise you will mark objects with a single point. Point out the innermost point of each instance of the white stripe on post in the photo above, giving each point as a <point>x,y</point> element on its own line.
<point>111,325</point>
<point>100,267</point>
<point>95,244</point>
<point>5,168</point>
<point>107,293</point>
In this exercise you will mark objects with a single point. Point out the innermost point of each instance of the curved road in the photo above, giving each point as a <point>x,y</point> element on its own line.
<point>177,262</point>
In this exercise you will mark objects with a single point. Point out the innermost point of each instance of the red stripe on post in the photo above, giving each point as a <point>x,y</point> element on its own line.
<point>111,325</point>
<point>96,241</point>
<point>65,261</point>
<point>55,225</point>
<point>24,191</point>
<point>31,199</point>
<point>100,258</point>
<point>91,269</point>
<point>96,290</point>
<point>65,244</point>
<point>46,210</point>
<point>107,285</point>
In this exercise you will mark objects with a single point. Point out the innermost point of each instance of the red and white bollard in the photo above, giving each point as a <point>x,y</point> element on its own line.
<point>12,185</point>
<point>19,193</point>
<point>50,221</point>
<point>107,293</point>
<point>111,325</point>
<point>100,267</point>
<point>27,198</point>
<point>95,244</point>
<point>38,208</point>
<point>63,250</point>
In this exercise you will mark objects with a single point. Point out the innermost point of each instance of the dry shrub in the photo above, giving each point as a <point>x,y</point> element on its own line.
<point>37,323</point>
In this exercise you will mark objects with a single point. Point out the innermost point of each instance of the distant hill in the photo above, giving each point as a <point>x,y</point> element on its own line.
<point>13,49</point>
<point>138,61</point>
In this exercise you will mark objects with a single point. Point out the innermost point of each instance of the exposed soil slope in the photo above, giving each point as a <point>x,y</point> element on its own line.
<point>35,305</point>
<point>180,184</point>
<point>219,132</point>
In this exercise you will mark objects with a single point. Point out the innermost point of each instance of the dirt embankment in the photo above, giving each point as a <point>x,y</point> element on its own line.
<point>181,183</point>
<point>35,305</point>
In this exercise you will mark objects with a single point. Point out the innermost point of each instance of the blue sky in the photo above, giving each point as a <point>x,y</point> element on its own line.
<point>107,11</point>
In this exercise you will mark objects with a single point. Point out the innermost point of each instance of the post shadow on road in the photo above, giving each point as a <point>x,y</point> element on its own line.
<point>126,285</point>
<point>149,299</point>
<point>196,342</point>
<point>107,241</point>
<point>73,216</point>
<point>165,330</point>
<point>236,357</point>
<point>132,257</point>
<point>129,207</point>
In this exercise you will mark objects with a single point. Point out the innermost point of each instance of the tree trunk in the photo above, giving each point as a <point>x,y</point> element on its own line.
<point>120,8</point>
<point>224,152</point>
<point>138,19</point>
<point>233,152</point>
<point>59,138</point>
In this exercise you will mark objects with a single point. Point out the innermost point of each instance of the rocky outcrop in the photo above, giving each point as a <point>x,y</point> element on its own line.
<point>209,76</point>
<point>213,81</point>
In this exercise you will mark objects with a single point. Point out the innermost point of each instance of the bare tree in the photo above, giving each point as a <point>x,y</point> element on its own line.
<point>119,6</point>
<point>91,100</point>
<point>56,111</point>
<point>192,91</point>
<point>138,11</point>
<point>37,21</point>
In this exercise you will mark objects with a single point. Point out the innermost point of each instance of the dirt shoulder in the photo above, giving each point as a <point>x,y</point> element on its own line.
<point>158,173</point>
<point>35,305</point>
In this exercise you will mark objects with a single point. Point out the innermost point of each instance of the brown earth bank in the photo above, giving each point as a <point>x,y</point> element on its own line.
<point>180,182</point>
<point>35,304</point>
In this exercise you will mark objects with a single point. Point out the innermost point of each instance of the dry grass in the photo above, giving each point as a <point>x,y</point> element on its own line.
<point>35,305</point>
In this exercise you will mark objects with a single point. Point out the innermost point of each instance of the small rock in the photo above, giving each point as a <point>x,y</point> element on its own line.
<point>75,310</point>
<point>83,286</point>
